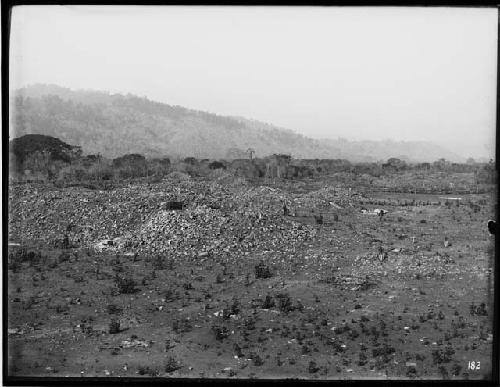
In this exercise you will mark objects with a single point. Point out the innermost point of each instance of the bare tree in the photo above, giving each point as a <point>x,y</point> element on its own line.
<point>250,151</point>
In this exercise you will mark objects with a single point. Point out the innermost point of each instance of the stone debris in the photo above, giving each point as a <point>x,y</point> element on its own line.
<point>215,219</point>
<point>134,343</point>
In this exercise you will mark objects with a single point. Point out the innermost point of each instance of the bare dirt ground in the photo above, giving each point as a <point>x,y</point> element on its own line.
<point>230,287</point>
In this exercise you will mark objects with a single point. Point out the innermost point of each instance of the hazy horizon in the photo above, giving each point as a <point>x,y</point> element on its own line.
<point>361,73</point>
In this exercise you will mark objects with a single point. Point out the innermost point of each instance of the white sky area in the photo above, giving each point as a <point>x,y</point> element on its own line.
<point>326,72</point>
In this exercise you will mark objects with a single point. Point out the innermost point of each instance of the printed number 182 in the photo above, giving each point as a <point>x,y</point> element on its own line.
<point>474,365</point>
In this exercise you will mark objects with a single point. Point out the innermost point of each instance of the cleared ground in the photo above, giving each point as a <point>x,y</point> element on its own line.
<point>243,291</point>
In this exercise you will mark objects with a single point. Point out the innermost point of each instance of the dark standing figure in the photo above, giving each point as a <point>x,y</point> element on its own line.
<point>286,211</point>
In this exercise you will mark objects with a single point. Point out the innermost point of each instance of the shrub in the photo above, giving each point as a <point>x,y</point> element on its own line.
<point>126,285</point>
<point>235,307</point>
<point>385,350</point>
<point>219,279</point>
<point>455,369</point>
<point>188,286</point>
<point>172,365</point>
<point>262,271</point>
<point>312,368</point>
<point>23,255</point>
<point>257,360</point>
<point>221,332</point>
<point>442,356</point>
<point>63,257</point>
<point>145,370</point>
<point>113,309</point>
<point>61,308</point>
<point>171,295</point>
<point>479,310</point>
<point>161,263</point>
<point>237,350</point>
<point>13,264</point>
<point>268,302</point>
<point>114,326</point>
<point>216,165</point>
<point>284,302</point>
<point>182,325</point>
<point>249,323</point>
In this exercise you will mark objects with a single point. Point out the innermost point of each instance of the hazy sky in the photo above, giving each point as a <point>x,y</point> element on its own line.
<point>358,73</point>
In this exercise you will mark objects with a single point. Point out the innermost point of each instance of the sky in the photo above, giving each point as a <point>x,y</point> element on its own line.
<point>361,73</point>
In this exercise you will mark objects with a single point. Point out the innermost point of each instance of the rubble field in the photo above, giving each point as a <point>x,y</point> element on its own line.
<point>123,283</point>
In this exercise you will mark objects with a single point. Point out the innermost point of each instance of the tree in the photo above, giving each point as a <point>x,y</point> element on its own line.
<point>131,165</point>
<point>395,163</point>
<point>441,164</point>
<point>250,151</point>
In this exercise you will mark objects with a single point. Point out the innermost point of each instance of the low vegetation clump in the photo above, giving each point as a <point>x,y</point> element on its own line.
<point>479,310</point>
<point>126,285</point>
<point>146,370</point>
<point>114,326</point>
<point>172,365</point>
<point>262,271</point>
<point>443,356</point>
<point>284,302</point>
<point>221,332</point>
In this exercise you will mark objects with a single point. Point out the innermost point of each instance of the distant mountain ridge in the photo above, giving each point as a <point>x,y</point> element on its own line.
<point>116,124</point>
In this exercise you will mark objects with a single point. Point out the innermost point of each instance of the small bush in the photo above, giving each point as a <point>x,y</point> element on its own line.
<point>479,310</point>
<point>172,365</point>
<point>268,302</point>
<point>312,368</point>
<point>61,308</point>
<point>237,350</point>
<point>219,279</point>
<point>171,295</point>
<point>145,370</point>
<point>126,285</point>
<point>235,306</point>
<point>262,271</point>
<point>455,369</point>
<point>53,264</point>
<point>284,302</point>
<point>113,309</point>
<point>114,326</point>
<point>442,356</point>
<point>182,326</point>
<point>162,263</point>
<point>257,360</point>
<point>221,332</point>
<point>249,323</point>
<point>23,255</point>
<point>384,351</point>
<point>63,257</point>
<point>14,265</point>
<point>188,286</point>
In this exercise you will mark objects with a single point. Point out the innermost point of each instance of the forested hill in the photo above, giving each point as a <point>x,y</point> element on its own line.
<point>115,124</point>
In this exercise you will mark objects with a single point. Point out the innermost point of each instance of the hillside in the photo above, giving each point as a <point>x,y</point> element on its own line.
<point>115,124</point>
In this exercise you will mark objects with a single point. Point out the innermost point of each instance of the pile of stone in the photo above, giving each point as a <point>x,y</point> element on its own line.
<point>249,220</point>
<point>215,218</point>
